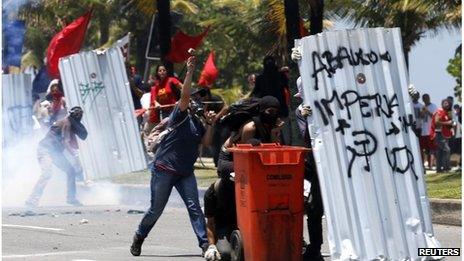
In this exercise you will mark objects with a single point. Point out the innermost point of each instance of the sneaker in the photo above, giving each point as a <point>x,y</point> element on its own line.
<point>136,247</point>
<point>204,248</point>
<point>74,202</point>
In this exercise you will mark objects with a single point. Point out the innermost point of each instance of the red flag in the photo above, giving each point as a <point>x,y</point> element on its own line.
<point>68,41</point>
<point>303,31</point>
<point>181,43</point>
<point>209,73</point>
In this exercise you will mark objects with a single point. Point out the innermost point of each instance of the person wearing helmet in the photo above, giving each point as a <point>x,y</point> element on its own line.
<point>61,137</point>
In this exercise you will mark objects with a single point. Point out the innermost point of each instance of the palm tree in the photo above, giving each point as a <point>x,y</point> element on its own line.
<point>45,19</point>
<point>316,16</point>
<point>414,17</point>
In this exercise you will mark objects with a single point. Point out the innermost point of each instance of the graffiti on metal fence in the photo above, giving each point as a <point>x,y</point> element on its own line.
<point>344,108</point>
<point>90,91</point>
<point>330,63</point>
<point>20,118</point>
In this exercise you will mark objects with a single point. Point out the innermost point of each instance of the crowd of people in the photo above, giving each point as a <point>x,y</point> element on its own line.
<point>190,118</point>
<point>439,132</point>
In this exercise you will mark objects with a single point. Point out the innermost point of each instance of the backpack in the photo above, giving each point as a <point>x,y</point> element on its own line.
<point>240,112</point>
<point>158,134</point>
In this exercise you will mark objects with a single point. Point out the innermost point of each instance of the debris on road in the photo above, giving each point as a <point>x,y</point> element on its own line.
<point>83,221</point>
<point>134,211</point>
<point>27,213</point>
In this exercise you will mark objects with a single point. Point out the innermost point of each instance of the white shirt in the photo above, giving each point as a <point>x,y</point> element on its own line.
<point>145,100</point>
<point>417,108</point>
<point>427,120</point>
<point>458,129</point>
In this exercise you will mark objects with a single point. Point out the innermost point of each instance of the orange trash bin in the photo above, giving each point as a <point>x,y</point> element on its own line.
<point>269,202</point>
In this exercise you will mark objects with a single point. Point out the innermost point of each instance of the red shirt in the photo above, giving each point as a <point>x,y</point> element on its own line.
<point>163,93</point>
<point>446,131</point>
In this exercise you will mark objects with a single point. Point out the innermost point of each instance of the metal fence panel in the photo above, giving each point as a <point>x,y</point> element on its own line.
<point>367,155</point>
<point>17,107</point>
<point>99,84</point>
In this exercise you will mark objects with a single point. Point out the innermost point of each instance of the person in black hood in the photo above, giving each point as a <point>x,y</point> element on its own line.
<point>60,137</point>
<point>219,198</point>
<point>272,82</point>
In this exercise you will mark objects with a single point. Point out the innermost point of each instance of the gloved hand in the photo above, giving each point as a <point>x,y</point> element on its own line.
<point>306,111</point>
<point>296,54</point>
<point>212,254</point>
<point>306,188</point>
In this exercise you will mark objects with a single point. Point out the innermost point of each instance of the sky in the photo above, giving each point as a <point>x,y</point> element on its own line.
<point>428,62</point>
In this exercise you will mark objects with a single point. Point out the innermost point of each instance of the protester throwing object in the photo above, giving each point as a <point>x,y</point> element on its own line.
<point>60,138</point>
<point>173,163</point>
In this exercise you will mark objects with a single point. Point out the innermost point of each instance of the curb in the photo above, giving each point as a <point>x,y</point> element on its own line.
<point>444,211</point>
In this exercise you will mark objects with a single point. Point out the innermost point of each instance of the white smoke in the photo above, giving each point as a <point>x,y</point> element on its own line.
<point>21,170</point>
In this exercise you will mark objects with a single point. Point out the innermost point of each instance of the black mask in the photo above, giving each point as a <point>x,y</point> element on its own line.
<point>269,119</point>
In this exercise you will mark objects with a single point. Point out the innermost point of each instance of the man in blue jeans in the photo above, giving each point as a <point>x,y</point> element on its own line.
<point>173,165</point>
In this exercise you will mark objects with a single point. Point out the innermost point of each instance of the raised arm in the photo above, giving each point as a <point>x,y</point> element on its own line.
<point>186,88</point>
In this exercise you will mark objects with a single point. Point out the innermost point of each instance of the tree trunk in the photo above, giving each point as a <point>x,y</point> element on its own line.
<point>292,22</point>
<point>104,26</point>
<point>164,30</point>
<point>139,43</point>
<point>316,16</point>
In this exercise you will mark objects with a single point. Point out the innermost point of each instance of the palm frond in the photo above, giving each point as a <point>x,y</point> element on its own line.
<point>185,6</point>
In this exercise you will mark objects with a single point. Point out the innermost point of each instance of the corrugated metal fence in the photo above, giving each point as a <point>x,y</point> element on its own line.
<point>17,107</point>
<point>98,83</point>
<point>367,155</point>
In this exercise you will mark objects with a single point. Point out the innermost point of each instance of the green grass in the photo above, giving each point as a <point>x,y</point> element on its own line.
<point>138,177</point>
<point>205,176</point>
<point>444,185</point>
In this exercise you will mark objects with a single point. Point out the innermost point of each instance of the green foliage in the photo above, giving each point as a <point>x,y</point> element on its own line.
<point>454,68</point>
<point>230,95</point>
<point>242,32</point>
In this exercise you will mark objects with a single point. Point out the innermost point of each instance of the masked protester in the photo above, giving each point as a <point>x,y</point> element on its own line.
<point>60,137</point>
<point>274,82</point>
<point>219,198</point>
<point>313,199</point>
<point>55,96</point>
<point>173,165</point>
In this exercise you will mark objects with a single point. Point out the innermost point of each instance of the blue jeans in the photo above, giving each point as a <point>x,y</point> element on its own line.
<point>161,185</point>
<point>443,152</point>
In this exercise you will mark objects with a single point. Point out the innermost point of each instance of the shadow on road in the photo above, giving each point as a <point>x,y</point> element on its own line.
<point>172,255</point>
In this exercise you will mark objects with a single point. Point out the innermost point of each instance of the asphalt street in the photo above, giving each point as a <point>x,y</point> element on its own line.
<point>105,233</point>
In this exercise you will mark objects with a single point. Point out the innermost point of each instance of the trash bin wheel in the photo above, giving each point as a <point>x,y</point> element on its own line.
<point>236,244</point>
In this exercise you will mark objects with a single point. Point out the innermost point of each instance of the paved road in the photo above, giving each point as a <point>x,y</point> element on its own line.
<point>56,234</point>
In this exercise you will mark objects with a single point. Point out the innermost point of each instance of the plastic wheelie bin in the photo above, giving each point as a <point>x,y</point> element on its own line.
<point>269,202</point>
